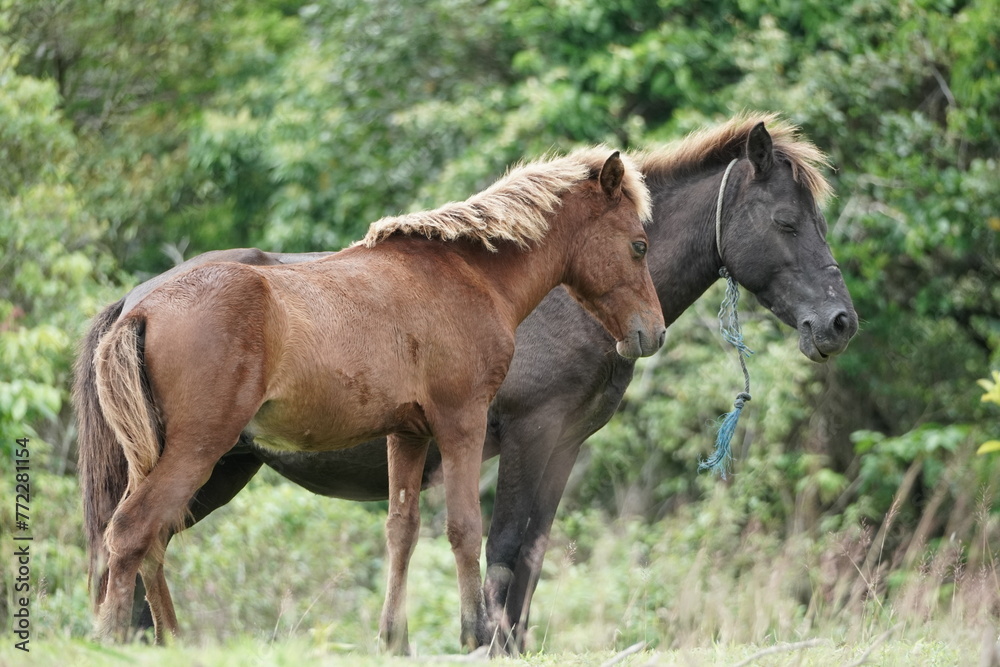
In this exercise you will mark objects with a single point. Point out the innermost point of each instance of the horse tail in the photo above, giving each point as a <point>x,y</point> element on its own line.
<point>124,396</point>
<point>103,470</point>
<point>118,427</point>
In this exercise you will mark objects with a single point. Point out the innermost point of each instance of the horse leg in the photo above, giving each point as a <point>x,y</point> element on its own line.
<point>129,539</point>
<point>402,527</point>
<point>230,475</point>
<point>524,454</point>
<point>535,540</point>
<point>461,456</point>
<point>161,606</point>
<point>137,532</point>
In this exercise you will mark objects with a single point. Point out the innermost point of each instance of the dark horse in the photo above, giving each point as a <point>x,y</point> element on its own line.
<point>406,336</point>
<point>555,396</point>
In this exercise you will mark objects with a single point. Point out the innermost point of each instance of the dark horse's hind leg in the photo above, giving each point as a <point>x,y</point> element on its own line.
<point>231,474</point>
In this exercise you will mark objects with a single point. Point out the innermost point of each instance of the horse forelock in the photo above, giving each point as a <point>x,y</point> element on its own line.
<point>517,207</point>
<point>718,145</point>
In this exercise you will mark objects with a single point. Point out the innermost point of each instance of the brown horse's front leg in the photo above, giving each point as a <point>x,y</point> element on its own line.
<point>402,527</point>
<point>461,456</point>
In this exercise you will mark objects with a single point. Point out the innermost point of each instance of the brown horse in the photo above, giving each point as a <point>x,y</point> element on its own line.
<point>408,334</point>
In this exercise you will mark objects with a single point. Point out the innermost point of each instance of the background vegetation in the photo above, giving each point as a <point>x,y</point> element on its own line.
<point>134,134</point>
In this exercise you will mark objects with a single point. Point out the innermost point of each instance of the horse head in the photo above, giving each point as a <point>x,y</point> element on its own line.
<point>608,273</point>
<point>771,236</point>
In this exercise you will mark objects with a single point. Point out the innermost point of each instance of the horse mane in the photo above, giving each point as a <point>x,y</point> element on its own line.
<point>723,143</point>
<point>516,207</point>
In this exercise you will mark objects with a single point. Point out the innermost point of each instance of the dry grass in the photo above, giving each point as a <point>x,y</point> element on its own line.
<point>281,576</point>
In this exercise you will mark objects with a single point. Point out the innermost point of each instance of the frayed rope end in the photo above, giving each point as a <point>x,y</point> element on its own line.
<point>719,461</point>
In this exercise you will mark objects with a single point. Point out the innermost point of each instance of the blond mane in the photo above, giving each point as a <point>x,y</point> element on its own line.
<point>725,142</point>
<point>516,207</point>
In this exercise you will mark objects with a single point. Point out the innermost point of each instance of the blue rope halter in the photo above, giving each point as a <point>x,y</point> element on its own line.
<point>733,333</point>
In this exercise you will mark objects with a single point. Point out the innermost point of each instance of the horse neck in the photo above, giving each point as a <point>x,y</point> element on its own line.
<point>520,277</point>
<point>683,260</point>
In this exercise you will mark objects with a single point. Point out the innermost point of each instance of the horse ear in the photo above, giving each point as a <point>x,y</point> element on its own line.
<point>760,150</point>
<point>612,174</point>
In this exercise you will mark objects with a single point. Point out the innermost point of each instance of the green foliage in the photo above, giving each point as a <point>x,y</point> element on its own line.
<point>886,460</point>
<point>916,191</point>
<point>992,395</point>
<point>34,141</point>
<point>50,274</point>
<point>322,139</point>
<point>992,389</point>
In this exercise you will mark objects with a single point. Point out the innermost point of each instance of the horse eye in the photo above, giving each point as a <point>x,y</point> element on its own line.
<point>639,248</point>
<point>786,227</point>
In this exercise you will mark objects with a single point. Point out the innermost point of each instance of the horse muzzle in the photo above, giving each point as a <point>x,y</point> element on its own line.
<point>821,338</point>
<point>642,340</point>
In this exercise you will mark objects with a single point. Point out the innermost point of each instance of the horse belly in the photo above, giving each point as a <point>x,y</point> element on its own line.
<point>286,428</point>
<point>333,419</point>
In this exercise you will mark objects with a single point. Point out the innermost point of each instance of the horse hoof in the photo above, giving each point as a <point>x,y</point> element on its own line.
<point>392,643</point>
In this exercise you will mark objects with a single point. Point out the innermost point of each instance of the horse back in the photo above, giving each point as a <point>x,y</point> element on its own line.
<point>249,256</point>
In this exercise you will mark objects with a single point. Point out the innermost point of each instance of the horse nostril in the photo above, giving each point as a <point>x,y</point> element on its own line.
<point>662,338</point>
<point>840,322</point>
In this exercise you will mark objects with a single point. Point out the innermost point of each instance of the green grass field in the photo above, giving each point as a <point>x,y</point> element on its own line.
<point>298,652</point>
<point>281,577</point>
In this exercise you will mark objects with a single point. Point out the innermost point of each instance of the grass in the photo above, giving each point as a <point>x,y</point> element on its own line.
<point>301,652</point>
<point>283,577</point>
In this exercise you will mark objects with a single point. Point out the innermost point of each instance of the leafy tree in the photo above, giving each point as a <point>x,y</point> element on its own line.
<point>50,278</point>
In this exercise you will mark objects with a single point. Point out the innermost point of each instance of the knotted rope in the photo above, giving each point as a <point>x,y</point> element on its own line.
<point>729,326</point>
